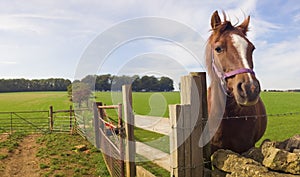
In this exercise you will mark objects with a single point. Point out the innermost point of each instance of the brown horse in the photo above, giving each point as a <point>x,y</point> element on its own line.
<point>233,83</point>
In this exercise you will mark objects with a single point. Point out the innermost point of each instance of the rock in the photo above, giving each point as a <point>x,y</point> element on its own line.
<point>296,151</point>
<point>255,154</point>
<point>82,147</point>
<point>280,160</point>
<point>290,144</point>
<point>245,173</point>
<point>231,162</point>
<point>238,166</point>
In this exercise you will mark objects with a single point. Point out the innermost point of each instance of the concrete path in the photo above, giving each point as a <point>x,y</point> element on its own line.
<point>156,124</point>
<point>159,125</point>
<point>156,156</point>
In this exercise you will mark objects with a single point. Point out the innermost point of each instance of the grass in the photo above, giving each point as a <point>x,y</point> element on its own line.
<point>8,145</point>
<point>36,101</point>
<point>150,103</point>
<point>154,169</point>
<point>283,126</point>
<point>281,102</point>
<point>57,158</point>
<point>31,101</point>
<point>144,103</point>
<point>11,143</point>
<point>155,104</point>
<point>153,139</point>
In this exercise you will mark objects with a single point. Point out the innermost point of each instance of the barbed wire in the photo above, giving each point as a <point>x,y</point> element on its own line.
<point>263,115</point>
<point>188,167</point>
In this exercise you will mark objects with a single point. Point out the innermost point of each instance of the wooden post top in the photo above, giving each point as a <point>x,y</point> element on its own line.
<point>196,73</point>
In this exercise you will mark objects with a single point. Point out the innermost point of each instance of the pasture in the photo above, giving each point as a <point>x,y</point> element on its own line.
<point>156,104</point>
<point>281,123</point>
<point>279,105</point>
<point>33,101</point>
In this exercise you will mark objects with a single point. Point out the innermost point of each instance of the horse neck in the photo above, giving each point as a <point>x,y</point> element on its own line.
<point>232,109</point>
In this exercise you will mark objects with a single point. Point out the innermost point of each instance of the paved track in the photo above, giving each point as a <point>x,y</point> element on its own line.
<point>155,124</point>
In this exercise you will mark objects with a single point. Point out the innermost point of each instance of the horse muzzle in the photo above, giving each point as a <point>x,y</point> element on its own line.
<point>246,91</point>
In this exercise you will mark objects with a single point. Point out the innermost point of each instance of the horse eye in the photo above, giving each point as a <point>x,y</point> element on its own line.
<point>218,49</point>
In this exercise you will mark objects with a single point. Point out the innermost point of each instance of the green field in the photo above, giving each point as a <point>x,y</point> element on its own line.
<point>279,105</point>
<point>279,126</point>
<point>37,101</point>
<point>144,103</point>
<point>156,104</point>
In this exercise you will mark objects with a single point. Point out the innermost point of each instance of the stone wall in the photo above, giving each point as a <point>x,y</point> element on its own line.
<point>272,159</point>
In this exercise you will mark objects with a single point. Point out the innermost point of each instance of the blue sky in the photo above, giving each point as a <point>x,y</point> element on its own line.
<point>43,39</point>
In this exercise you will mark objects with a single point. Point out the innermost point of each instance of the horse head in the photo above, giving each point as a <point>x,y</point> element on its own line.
<point>229,59</point>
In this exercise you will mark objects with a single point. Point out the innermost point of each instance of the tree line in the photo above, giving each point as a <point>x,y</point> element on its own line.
<point>25,85</point>
<point>94,82</point>
<point>139,84</point>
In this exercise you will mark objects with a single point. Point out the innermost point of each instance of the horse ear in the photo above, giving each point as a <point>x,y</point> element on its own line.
<point>215,20</point>
<point>244,26</point>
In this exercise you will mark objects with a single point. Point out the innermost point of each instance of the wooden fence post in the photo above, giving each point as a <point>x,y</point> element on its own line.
<point>121,133</point>
<point>180,140</point>
<point>129,129</point>
<point>96,124</point>
<point>200,81</point>
<point>51,121</point>
<point>11,123</point>
<point>193,93</point>
<point>71,115</point>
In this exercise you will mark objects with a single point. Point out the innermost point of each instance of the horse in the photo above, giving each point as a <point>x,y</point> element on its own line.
<point>232,81</point>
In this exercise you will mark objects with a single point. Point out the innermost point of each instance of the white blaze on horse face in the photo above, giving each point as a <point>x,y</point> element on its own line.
<point>241,46</point>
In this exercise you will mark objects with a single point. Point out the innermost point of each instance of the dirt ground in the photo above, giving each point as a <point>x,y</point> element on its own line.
<point>22,162</point>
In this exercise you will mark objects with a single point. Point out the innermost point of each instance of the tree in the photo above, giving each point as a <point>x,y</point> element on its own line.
<point>69,90</point>
<point>136,84</point>
<point>103,82</point>
<point>90,80</point>
<point>118,81</point>
<point>80,92</point>
<point>149,84</point>
<point>166,84</point>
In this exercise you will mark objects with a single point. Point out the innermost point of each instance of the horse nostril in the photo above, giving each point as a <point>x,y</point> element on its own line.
<point>255,88</point>
<point>241,90</point>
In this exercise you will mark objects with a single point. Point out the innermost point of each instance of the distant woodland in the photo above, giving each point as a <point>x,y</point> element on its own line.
<point>94,82</point>
<point>139,84</point>
<point>25,85</point>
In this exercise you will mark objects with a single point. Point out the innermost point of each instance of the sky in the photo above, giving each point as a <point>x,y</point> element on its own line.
<point>68,39</point>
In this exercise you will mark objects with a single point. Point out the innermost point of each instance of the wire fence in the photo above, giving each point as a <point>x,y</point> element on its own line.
<point>24,121</point>
<point>112,150</point>
<point>37,121</point>
<point>265,115</point>
<point>108,139</point>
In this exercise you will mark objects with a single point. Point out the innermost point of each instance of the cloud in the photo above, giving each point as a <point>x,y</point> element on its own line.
<point>39,34</point>
<point>278,64</point>
<point>8,62</point>
<point>296,18</point>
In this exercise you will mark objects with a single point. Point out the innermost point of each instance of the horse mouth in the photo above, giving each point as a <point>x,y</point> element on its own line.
<point>247,102</point>
<point>247,94</point>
